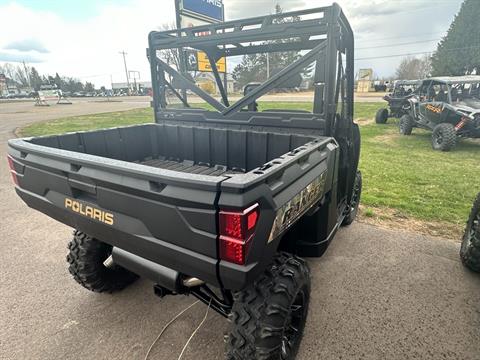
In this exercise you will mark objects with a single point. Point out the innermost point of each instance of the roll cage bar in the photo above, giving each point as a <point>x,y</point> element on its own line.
<point>324,38</point>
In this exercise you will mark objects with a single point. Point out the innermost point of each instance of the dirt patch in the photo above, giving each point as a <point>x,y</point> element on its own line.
<point>364,121</point>
<point>385,138</point>
<point>388,218</point>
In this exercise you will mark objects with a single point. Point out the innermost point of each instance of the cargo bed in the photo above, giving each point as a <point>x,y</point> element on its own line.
<point>188,166</point>
<point>188,149</point>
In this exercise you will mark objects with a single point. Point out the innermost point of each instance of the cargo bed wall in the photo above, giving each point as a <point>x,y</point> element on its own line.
<point>237,150</point>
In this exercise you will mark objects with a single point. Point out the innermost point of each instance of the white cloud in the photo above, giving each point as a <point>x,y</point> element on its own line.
<point>88,49</point>
<point>26,45</point>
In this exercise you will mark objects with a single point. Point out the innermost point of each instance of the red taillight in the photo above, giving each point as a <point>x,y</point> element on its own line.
<point>10,163</point>
<point>234,251</point>
<point>12,169</point>
<point>461,123</point>
<point>236,231</point>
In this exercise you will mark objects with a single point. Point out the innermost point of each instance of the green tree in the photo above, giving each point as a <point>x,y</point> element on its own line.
<point>72,85</point>
<point>89,87</point>
<point>57,80</point>
<point>35,79</point>
<point>253,68</point>
<point>458,52</point>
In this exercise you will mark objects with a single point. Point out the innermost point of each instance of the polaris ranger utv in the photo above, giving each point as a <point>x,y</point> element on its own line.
<point>470,249</point>
<point>448,106</point>
<point>219,204</point>
<point>397,99</point>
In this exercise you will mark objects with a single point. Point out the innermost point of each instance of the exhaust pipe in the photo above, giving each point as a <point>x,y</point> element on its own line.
<point>159,274</point>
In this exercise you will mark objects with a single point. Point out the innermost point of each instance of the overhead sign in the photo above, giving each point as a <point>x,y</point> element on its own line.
<point>210,10</point>
<point>198,61</point>
<point>204,64</point>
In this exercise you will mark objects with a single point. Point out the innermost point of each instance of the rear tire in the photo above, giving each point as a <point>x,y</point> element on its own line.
<point>405,125</point>
<point>86,264</point>
<point>382,116</point>
<point>444,137</point>
<point>355,202</point>
<point>268,317</point>
<point>470,248</point>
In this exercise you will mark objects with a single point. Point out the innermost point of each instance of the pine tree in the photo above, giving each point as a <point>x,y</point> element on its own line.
<point>35,79</point>
<point>458,53</point>
<point>58,81</point>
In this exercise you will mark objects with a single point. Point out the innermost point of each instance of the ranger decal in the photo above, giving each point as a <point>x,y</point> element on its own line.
<point>293,209</point>
<point>434,109</point>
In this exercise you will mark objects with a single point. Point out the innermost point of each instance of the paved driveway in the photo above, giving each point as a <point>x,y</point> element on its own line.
<point>376,294</point>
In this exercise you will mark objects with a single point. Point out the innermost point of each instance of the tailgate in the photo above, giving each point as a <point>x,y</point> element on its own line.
<point>162,215</point>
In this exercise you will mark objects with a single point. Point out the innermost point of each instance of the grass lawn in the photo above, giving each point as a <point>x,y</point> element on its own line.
<point>403,177</point>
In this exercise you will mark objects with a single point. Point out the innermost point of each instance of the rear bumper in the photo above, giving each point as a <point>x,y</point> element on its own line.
<point>143,245</point>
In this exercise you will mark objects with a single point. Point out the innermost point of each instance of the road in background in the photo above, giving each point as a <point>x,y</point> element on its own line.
<point>376,294</point>
<point>79,105</point>
<point>20,113</point>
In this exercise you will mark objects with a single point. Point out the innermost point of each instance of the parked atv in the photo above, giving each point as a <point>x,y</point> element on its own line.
<point>448,106</point>
<point>397,99</point>
<point>470,249</point>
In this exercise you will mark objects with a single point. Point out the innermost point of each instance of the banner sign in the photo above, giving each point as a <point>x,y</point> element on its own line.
<point>210,10</point>
<point>189,21</point>
<point>48,95</point>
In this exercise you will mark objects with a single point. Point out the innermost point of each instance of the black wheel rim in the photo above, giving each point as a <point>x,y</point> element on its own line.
<point>403,126</point>
<point>356,195</point>
<point>438,138</point>
<point>293,326</point>
<point>471,230</point>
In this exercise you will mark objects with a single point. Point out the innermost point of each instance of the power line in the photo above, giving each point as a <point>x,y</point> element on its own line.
<point>402,37</point>
<point>96,75</point>
<point>400,44</point>
<point>396,55</point>
<point>415,53</point>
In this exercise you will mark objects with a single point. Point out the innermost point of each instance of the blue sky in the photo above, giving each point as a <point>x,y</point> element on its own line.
<point>83,38</point>
<point>73,10</point>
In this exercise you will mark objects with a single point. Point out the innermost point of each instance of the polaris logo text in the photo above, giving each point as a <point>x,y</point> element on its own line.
<point>89,211</point>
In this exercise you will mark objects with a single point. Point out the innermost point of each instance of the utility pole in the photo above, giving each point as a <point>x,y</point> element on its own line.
<point>268,66</point>
<point>126,71</point>
<point>136,75</point>
<point>181,53</point>
<point>225,74</point>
